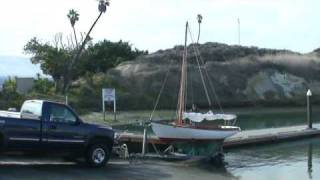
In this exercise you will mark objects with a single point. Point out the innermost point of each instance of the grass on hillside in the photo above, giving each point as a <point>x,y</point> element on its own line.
<point>127,117</point>
<point>134,117</point>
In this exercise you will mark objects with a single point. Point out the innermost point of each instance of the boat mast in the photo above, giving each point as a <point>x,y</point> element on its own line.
<point>181,101</point>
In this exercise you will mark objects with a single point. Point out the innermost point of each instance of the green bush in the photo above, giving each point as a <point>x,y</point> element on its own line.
<point>9,98</point>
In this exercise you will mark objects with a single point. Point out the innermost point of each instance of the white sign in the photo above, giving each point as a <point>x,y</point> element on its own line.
<point>108,94</point>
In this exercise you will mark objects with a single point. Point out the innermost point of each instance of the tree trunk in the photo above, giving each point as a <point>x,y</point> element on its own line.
<point>198,34</point>
<point>67,80</point>
<point>75,37</point>
<point>85,41</point>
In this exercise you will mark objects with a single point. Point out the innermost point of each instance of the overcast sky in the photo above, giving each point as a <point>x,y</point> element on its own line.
<point>154,24</point>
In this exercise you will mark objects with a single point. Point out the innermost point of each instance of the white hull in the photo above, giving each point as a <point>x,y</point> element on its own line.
<point>175,133</point>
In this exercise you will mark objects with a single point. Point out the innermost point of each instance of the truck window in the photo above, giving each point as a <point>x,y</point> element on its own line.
<point>31,110</point>
<point>61,114</point>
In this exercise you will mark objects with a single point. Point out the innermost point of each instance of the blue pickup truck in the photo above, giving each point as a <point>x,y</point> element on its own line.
<point>45,127</point>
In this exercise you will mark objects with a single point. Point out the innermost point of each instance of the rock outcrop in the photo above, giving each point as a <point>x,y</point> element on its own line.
<point>237,76</point>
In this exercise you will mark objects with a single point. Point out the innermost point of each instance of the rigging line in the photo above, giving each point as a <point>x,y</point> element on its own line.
<point>206,73</point>
<point>214,92</point>
<point>191,84</point>
<point>210,83</point>
<point>186,91</point>
<point>201,75</point>
<point>209,79</point>
<point>160,93</point>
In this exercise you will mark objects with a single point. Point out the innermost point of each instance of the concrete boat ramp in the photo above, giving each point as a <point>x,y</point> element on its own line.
<point>242,139</point>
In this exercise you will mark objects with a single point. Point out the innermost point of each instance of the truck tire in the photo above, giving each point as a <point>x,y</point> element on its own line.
<point>97,155</point>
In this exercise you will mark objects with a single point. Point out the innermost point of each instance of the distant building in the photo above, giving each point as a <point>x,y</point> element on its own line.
<point>24,85</point>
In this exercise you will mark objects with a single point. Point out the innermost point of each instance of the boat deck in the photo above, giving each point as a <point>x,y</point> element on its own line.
<point>244,138</point>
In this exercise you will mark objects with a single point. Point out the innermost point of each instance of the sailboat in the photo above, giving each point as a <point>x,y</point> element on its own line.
<point>187,126</point>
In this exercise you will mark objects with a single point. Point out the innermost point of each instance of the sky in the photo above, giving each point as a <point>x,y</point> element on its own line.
<point>152,25</point>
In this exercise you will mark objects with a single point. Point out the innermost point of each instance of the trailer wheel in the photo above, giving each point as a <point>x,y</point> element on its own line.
<point>98,155</point>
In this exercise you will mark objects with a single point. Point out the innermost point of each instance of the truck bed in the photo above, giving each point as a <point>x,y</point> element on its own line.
<point>10,114</point>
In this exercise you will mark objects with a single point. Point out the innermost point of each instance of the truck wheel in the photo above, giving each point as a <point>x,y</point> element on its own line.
<point>97,155</point>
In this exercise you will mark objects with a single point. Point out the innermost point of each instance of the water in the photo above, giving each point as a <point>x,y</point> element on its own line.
<point>251,118</point>
<point>292,160</point>
<point>261,118</point>
<point>299,160</point>
<point>295,160</point>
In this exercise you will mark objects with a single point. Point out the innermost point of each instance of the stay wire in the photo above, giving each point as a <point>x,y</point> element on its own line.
<point>160,93</point>
<point>197,53</point>
<point>201,74</point>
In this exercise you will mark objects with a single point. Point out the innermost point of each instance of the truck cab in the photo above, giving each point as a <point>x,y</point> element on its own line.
<point>54,128</point>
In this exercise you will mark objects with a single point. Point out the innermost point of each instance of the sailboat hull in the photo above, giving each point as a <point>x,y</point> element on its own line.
<point>171,133</point>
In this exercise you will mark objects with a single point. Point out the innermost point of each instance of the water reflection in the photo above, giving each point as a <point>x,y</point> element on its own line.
<point>209,167</point>
<point>248,118</point>
<point>291,160</point>
<point>294,160</point>
<point>310,161</point>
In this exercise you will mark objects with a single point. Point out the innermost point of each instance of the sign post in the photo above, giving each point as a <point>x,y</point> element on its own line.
<point>109,95</point>
<point>309,109</point>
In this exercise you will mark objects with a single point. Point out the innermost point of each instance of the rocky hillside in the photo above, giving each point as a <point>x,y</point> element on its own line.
<point>238,75</point>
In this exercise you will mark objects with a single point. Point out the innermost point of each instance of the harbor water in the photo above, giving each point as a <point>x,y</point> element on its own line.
<point>297,160</point>
<point>294,160</point>
<point>247,118</point>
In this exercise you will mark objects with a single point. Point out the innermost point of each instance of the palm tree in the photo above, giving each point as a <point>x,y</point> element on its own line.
<point>199,17</point>
<point>102,7</point>
<point>73,16</point>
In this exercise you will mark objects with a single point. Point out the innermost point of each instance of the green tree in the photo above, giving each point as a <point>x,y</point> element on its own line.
<point>106,54</point>
<point>53,60</point>
<point>43,86</point>
<point>10,85</point>
<point>61,62</point>
<point>9,96</point>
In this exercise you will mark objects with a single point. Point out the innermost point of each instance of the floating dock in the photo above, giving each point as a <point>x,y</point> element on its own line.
<point>244,138</point>
<point>262,136</point>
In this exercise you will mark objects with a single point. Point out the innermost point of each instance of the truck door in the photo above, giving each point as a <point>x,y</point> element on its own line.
<point>25,133</point>
<point>63,132</point>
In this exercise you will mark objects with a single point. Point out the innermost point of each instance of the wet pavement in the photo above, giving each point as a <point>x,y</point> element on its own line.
<point>34,168</point>
<point>294,160</point>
